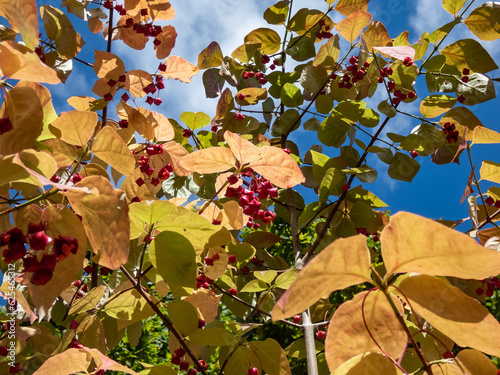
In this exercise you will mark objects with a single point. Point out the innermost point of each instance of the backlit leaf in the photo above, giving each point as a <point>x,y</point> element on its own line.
<point>66,363</point>
<point>351,26</point>
<point>475,362</point>
<point>291,95</point>
<point>409,245</point>
<point>167,39</point>
<point>452,312</point>
<point>75,127</point>
<point>376,35</point>
<point>210,57</point>
<point>183,316</point>
<point>19,62</point>
<point>482,134</point>
<point>278,167</point>
<point>180,69</point>
<point>328,53</point>
<point>252,95</point>
<point>348,336</point>
<point>403,167</point>
<point>136,81</point>
<point>108,65</point>
<point>206,303</point>
<point>244,150</point>
<point>213,336</point>
<point>270,39</point>
<point>89,301</point>
<point>490,171</point>
<point>195,120</point>
<point>373,363</point>
<point>111,148</point>
<point>276,14</point>
<point>129,306</point>
<point>435,105</point>
<point>209,160</point>
<point>343,263</point>
<point>138,118</point>
<point>484,21</point>
<point>23,18</point>
<point>453,6</point>
<point>398,53</point>
<point>105,218</point>
<point>468,53</point>
<point>346,7</point>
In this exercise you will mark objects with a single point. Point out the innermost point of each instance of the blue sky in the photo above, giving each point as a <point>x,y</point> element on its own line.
<point>436,190</point>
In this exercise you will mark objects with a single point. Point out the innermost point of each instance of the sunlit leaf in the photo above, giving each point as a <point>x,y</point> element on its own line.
<point>376,35</point>
<point>66,363</point>
<point>328,53</point>
<point>276,14</point>
<point>372,363</point>
<point>351,26</point>
<point>244,150</point>
<point>272,356</point>
<point>346,7</point>
<point>403,167</point>
<point>110,148</point>
<point>468,53</point>
<point>129,306</point>
<point>409,245</point>
<point>108,65</point>
<point>435,105</point>
<point>206,303</point>
<point>343,263</point>
<point>166,39</point>
<point>455,314</point>
<point>252,95</point>
<point>183,316</point>
<point>484,21</point>
<point>453,6</point>
<point>490,171</point>
<point>75,127</point>
<point>23,18</point>
<point>359,326</point>
<point>270,40</point>
<point>482,134</point>
<point>210,57</point>
<point>213,336</point>
<point>180,69</point>
<point>209,160</point>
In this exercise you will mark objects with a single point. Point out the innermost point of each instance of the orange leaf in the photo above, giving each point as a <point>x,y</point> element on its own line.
<point>108,65</point>
<point>343,263</point>
<point>111,148</point>
<point>66,363</point>
<point>139,119</point>
<point>136,81</point>
<point>351,26</point>
<point>19,62</point>
<point>475,362</point>
<point>348,326</point>
<point>206,303</point>
<point>167,38</point>
<point>244,150</point>
<point>23,18</point>
<point>164,131</point>
<point>278,167</point>
<point>95,25</point>
<point>174,154</point>
<point>209,160</point>
<point>178,68</point>
<point>129,36</point>
<point>372,363</point>
<point>105,218</point>
<point>376,35</point>
<point>346,7</point>
<point>75,127</point>
<point>411,243</point>
<point>452,312</point>
<point>22,106</point>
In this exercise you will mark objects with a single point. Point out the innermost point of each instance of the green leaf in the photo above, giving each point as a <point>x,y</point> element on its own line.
<point>129,306</point>
<point>284,123</point>
<point>276,14</point>
<point>453,6</point>
<point>286,279</point>
<point>331,184</point>
<point>195,120</point>
<point>266,276</point>
<point>484,21</point>
<point>468,53</point>
<point>183,316</point>
<point>333,131</point>
<point>210,57</point>
<point>270,40</point>
<point>324,105</point>
<point>301,48</point>
<point>175,259</point>
<point>387,109</point>
<point>291,95</point>
<point>213,336</point>
<point>478,89</point>
<point>328,53</point>
<point>255,286</point>
<point>362,214</point>
<point>403,167</point>
<point>159,370</point>
<point>89,301</point>
<point>313,78</point>
<point>384,154</point>
<point>358,194</point>
<point>272,357</point>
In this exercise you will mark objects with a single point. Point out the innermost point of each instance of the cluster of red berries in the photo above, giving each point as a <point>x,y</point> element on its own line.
<point>451,133</point>
<point>325,31</point>
<point>118,7</point>
<point>465,75</point>
<point>320,335</point>
<point>259,76</point>
<point>489,285</point>
<point>41,266</point>
<point>179,359</point>
<point>352,74</point>
<point>146,168</point>
<point>250,198</point>
<point>492,202</point>
<point>77,177</point>
<point>400,94</point>
<point>152,88</point>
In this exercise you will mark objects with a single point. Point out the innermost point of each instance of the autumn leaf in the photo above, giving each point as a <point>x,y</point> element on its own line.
<point>180,69</point>
<point>110,148</point>
<point>209,160</point>
<point>210,57</point>
<point>75,127</point>
<point>166,42</point>
<point>347,7</point>
<point>108,65</point>
<point>343,263</point>
<point>23,18</point>
<point>351,26</point>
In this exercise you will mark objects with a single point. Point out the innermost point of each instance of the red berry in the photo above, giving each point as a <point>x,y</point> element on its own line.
<point>201,323</point>
<point>461,99</point>
<point>122,78</point>
<point>15,369</point>
<point>193,371</point>
<point>448,355</point>
<point>31,264</point>
<point>144,12</point>
<point>104,271</point>
<point>54,178</point>
<point>395,101</point>
<point>346,187</point>
<point>157,42</point>
<point>175,360</point>
<point>253,371</point>
<point>465,79</point>
<point>108,97</point>
<point>74,324</point>
<point>41,277</point>
<point>183,365</point>
<point>414,154</point>
<point>89,269</point>
<point>162,67</point>
<point>240,96</point>
<point>139,181</point>
<point>155,181</point>
<point>108,5</point>
<point>216,222</point>
<point>76,178</point>
<point>3,351</point>
<point>187,133</point>
<point>232,291</point>
<point>111,82</point>
<point>411,94</point>
<point>232,258</point>
<point>320,335</point>
<point>232,179</point>
<point>209,261</point>
<point>465,71</point>
<point>125,97</point>
<point>245,269</point>
<point>479,291</point>
<point>297,319</point>
<point>238,116</point>
<point>287,151</point>
<point>489,293</point>
<point>49,262</point>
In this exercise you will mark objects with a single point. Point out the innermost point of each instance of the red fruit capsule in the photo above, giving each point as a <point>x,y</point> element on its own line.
<point>253,371</point>
<point>320,335</point>
<point>41,277</point>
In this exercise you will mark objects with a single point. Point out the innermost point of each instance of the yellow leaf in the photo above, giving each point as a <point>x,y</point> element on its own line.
<point>346,7</point>
<point>89,301</point>
<point>475,362</point>
<point>160,10</point>
<point>343,263</point>
<point>210,57</point>
<point>452,312</point>
<point>278,167</point>
<point>39,162</point>
<point>180,69</point>
<point>270,40</point>
<point>66,363</point>
<point>110,148</point>
<point>209,160</point>
<point>22,106</point>
<point>64,223</point>
<point>453,6</point>
<point>461,117</point>
<point>129,306</point>
<point>411,243</point>
<point>435,105</point>
<point>252,95</point>
<point>19,62</point>
<point>108,65</point>
<point>484,21</point>
<point>175,153</point>
<point>105,219</point>
<point>376,35</point>
<point>164,131</point>
<point>370,364</point>
<point>328,53</point>
<point>482,134</point>
<point>75,127</point>
<point>139,119</point>
<point>365,322</point>
<point>351,26</point>
<point>167,42</point>
<point>81,103</point>
<point>490,171</point>
<point>206,303</point>
<point>23,18</point>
